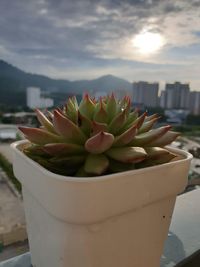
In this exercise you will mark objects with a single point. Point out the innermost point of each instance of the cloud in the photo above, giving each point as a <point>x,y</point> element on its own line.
<point>90,37</point>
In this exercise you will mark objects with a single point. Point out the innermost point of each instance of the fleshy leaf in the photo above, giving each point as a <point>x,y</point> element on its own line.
<point>50,115</point>
<point>96,164</point>
<point>151,117</point>
<point>68,161</point>
<point>111,107</point>
<point>99,143</point>
<point>99,127</point>
<point>74,100</point>
<point>36,150</point>
<point>156,152</point>
<point>101,115</point>
<point>156,156</point>
<point>63,149</point>
<point>164,140</point>
<point>139,121</point>
<point>146,138</point>
<point>126,137</point>
<point>72,110</point>
<point>81,172</point>
<point>87,107</point>
<point>125,104</point>
<point>117,122</point>
<point>68,129</point>
<point>85,124</point>
<point>147,126</point>
<point>44,121</point>
<point>127,154</point>
<point>132,117</point>
<point>40,136</point>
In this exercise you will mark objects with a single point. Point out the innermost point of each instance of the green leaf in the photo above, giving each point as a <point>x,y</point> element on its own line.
<point>149,118</point>
<point>44,121</point>
<point>132,117</point>
<point>81,172</point>
<point>96,164</point>
<point>99,143</point>
<point>99,127</point>
<point>63,149</point>
<point>146,138</point>
<point>147,126</point>
<point>87,107</point>
<point>68,129</point>
<point>126,137</point>
<point>165,139</point>
<point>101,115</point>
<point>127,154</point>
<point>129,121</point>
<point>117,122</point>
<point>156,160</point>
<point>40,136</point>
<point>72,110</point>
<point>68,161</point>
<point>111,107</point>
<point>85,124</point>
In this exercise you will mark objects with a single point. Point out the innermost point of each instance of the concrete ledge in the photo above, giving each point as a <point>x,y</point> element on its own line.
<point>184,235</point>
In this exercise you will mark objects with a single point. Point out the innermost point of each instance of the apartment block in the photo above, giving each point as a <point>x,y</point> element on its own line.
<point>145,93</point>
<point>176,96</point>
<point>194,104</point>
<point>34,99</point>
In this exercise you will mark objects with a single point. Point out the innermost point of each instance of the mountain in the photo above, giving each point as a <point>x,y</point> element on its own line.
<point>13,84</point>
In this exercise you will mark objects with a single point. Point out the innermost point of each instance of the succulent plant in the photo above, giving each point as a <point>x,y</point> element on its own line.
<point>97,137</point>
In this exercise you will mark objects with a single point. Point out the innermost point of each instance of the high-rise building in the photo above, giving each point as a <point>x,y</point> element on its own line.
<point>145,93</point>
<point>162,99</point>
<point>34,99</point>
<point>176,96</point>
<point>195,103</point>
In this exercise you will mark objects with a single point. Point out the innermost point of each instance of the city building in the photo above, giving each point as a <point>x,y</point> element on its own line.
<point>194,105</point>
<point>145,93</point>
<point>175,96</point>
<point>34,99</point>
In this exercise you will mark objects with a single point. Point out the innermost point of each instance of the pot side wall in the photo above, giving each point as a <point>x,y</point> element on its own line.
<point>133,239</point>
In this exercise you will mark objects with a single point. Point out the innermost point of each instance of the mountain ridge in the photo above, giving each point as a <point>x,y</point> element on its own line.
<point>15,81</point>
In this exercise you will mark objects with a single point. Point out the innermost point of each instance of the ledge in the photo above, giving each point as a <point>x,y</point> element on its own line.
<point>184,235</point>
<point>183,240</point>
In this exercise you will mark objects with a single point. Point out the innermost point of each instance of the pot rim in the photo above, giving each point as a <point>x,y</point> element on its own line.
<point>15,146</point>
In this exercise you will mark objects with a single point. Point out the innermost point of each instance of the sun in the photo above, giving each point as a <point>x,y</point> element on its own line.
<point>148,42</point>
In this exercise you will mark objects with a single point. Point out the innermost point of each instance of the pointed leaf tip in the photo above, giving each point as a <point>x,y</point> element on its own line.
<point>99,143</point>
<point>44,121</point>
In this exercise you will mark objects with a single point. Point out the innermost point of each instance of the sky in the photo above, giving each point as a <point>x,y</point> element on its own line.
<point>153,40</point>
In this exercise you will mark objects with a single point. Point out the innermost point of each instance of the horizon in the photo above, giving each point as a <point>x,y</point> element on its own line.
<point>160,83</point>
<point>148,40</point>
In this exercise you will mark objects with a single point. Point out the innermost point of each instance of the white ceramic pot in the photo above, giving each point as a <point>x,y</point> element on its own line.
<point>118,220</point>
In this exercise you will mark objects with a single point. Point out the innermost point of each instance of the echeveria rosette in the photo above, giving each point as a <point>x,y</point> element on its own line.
<point>97,137</point>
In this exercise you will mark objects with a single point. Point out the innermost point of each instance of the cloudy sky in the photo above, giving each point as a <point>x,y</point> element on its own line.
<point>154,40</point>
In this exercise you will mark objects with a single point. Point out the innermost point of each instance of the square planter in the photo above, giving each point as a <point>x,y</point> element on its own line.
<point>108,221</point>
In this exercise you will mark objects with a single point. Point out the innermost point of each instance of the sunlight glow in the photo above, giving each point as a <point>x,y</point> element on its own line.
<point>148,42</point>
